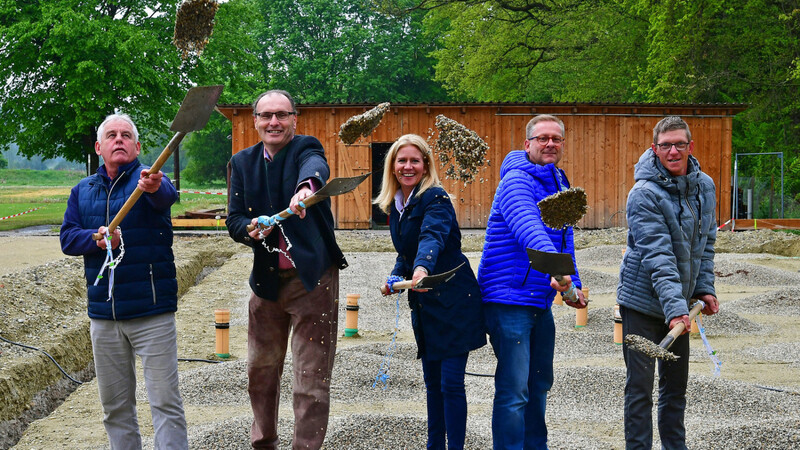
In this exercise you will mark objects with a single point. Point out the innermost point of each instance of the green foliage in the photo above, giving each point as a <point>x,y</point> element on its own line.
<point>674,51</point>
<point>344,51</point>
<point>3,162</point>
<point>537,50</point>
<point>232,54</point>
<point>210,150</point>
<point>69,63</point>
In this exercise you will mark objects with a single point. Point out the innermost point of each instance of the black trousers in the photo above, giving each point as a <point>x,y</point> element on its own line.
<point>672,381</point>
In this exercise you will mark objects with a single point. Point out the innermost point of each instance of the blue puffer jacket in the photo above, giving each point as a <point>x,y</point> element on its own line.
<point>144,281</point>
<point>669,257</point>
<point>515,224</point>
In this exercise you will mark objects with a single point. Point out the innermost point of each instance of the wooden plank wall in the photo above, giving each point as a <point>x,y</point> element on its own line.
<point>603,142</point>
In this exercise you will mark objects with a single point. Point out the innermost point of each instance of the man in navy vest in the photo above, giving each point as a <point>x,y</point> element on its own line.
<point>295,276</point>
<point>132,308</point>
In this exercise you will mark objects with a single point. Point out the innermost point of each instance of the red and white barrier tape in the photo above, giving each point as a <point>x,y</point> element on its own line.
<point>19,214</point>
<point>198,192</point>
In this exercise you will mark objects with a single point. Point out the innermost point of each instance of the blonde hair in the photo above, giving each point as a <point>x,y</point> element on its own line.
<point>390,185</point>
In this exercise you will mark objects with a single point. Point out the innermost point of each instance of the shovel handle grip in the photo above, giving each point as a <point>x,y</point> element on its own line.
<point>570,293</point>
<point>286,213</point>
<point>162,158</point>
<point>679,327</point>
<point>405,284</point>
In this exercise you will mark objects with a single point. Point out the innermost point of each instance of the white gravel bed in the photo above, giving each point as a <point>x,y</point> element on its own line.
<point>733,269</point>
<point>601,255</point>
<point>784,302</point>
<point>729,323</point>
<point>783,352</point>
<point>585,405</point>
<point>598,282</point>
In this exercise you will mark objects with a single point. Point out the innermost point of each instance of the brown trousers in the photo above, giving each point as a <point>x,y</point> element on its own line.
<point>312,317</point>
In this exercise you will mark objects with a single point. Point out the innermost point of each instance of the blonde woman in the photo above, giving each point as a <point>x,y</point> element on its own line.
<point>447,321</point>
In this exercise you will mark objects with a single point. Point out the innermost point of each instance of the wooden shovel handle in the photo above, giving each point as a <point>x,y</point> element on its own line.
<point>680,326</point>
<point>399,285</point>
<point>173,144</point>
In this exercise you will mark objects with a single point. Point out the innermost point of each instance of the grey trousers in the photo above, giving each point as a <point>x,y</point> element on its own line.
<point>115,345</point>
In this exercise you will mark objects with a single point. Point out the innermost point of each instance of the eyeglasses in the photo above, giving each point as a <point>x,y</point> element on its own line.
<point>543,140</point>
<point>681,146</point>
<point>281,115</point>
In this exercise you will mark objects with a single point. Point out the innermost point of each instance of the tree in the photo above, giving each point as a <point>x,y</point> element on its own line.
<point>69,63</point>
<point>345,51</point>
<point>210,150</point>
<point>232,54</point>
<point>497,50</point>
<point>231,57</point>
<point>709,51</point>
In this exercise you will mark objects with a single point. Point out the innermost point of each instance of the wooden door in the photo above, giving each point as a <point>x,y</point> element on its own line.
<point>354,209</point>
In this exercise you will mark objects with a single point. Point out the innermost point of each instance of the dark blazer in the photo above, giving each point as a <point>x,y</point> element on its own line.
<point>259,188</point>
<point>447,320</point>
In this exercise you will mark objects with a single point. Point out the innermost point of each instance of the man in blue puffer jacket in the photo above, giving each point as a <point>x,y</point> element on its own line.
<point>517,299</point>
<point>137,315</point>
<point>669,259</point>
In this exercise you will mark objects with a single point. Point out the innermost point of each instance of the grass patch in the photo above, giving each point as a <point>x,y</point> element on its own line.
<point>29,177</point>
<point>23,190</point>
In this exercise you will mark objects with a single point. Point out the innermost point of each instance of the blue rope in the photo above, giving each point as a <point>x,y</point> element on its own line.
<point>383,373</point>
<point>268,221</point>
<point>110,262</point>
<point>711,353</point>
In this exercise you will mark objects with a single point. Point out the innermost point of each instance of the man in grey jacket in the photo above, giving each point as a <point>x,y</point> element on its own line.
<point>669,260</point>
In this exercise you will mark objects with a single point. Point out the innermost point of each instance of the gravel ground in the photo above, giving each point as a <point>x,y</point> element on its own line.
<point>754,404</point>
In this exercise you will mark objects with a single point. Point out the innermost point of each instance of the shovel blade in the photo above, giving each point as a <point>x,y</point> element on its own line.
<point>553,263</point>
<point>432,281</point>
<point>196,108</point>
<point>339,186</point>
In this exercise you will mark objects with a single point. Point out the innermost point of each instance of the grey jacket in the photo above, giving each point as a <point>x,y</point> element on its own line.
<point>669,257</point>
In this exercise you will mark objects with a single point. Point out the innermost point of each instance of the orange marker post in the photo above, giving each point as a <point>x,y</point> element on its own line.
<point>582,314</point>
<point>351,315</point>
<point>222,319</point>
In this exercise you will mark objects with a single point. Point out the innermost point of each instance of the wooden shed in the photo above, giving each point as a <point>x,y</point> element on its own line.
<point>603,142</point>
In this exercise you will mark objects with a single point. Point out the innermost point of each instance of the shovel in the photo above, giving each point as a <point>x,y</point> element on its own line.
<point>428,282</point>
<point>661,350</point>
<point>337,186</point>
<point>557,265</point>
<point>193,115</point>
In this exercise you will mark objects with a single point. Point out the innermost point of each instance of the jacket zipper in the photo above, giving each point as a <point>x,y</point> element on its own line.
<point>695,226</point>
<point>152,284</point>
<point>108,221</point>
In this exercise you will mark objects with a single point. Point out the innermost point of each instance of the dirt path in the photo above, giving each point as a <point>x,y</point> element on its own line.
<point>20,252</point>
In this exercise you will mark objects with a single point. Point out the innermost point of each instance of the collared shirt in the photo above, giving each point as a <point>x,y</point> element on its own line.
<point>399,203</point>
